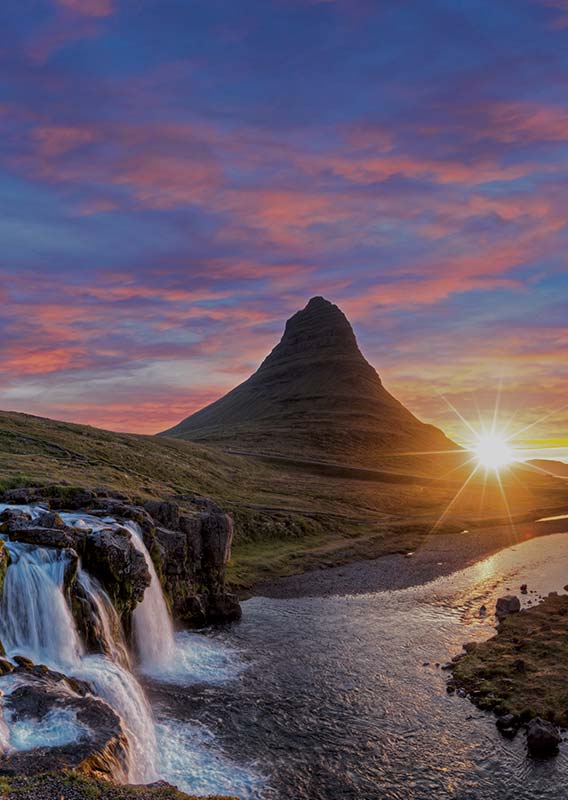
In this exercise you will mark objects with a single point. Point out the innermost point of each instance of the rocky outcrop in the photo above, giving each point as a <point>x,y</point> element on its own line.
<point>109,555</point>
<point>189,539</point>
<point>193,557</point>
<point>543,738</point>
<point>99,749</point>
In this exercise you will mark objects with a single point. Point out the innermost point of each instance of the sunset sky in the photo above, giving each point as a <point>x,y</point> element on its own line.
<point>180,176</point>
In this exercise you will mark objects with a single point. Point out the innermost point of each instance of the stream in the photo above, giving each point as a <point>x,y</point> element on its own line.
<point>327,698</point>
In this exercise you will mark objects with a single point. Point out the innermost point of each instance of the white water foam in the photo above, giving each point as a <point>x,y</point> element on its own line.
<point>200,659</point>
<point>59,727</point>
<point>191,759</point>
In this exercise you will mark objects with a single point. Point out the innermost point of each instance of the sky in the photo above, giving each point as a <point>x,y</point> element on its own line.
<point>180,176</point>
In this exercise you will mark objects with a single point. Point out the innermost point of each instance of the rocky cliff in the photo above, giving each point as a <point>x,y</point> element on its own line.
<point>189,541</point>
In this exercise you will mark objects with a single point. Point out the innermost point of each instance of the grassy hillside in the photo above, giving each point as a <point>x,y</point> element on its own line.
<point>290,514</point>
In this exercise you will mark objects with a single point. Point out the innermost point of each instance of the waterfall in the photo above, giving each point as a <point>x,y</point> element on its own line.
<point>35,621</point>
<point>109,626</point>
<point>124,694</point>
<point>153,629</point>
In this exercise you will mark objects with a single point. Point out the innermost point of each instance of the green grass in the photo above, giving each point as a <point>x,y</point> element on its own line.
<point>288,516</point>
<point>523,670</point>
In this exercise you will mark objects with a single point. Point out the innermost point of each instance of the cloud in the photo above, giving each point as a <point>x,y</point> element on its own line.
<point>88,8</point>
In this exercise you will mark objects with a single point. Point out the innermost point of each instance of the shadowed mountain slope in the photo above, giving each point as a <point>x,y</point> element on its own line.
<point>316,397</point>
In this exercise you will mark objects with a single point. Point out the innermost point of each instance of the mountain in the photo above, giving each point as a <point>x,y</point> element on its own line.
<point>316,397</point>
<point>558,468</point>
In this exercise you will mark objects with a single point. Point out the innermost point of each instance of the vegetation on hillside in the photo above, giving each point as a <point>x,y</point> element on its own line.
<point>289,515</point>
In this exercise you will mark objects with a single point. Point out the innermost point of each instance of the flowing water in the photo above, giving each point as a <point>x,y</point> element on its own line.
<point>153,629</point>
<point>331,698</point>
<point>36,622</point>
<point>341,697</point>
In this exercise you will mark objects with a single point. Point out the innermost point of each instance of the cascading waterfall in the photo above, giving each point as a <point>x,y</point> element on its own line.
<point>110,629</point>
<point>35,621</point>
<point>153,629</point>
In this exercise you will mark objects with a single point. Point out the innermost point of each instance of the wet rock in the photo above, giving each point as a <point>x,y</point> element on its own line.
<point>14,516</point>
<point>24,662</point>
<point>509,604</point>
<point>5,667</point>
<point>49,519</point>
<point>543,738</point>
<point>101,748</point>
<point>49,537</point>
<point>4,561</point>
<point>110,556</point>
<point>508,725</point>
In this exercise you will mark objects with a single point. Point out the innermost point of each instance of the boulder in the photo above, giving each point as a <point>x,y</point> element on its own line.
<point>508,725</point>
<point>509,604</point>
<point>543,738</point>
<point>100,748</point>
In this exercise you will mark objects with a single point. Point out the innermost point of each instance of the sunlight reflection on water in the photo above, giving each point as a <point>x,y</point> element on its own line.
<point>337,702</point>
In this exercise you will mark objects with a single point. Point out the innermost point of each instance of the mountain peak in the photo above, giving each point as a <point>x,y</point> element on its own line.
<point>316,331</point>
<point>314,396</point>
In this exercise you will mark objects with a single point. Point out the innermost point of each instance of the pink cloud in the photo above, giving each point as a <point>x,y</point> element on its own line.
<point>88,8</point>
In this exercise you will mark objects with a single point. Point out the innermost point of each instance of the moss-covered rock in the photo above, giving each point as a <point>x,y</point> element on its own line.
<point>523,670</point>
<point>111,557</point>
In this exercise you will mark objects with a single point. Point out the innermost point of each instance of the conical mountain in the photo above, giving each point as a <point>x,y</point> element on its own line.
<point>315,396</point>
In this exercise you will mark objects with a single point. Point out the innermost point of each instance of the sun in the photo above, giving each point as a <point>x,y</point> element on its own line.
<point>492,451</point>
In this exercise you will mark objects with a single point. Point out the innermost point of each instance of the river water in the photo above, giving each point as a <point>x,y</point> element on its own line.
<point>314,698</point>
<point>330,699</point>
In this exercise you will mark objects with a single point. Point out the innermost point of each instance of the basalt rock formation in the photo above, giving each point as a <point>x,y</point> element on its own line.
<point>315,396</point>
<point>189,541</point>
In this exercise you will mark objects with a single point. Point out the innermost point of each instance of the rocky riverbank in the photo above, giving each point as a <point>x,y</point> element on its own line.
<point>521,673</point>
<point>70,786</point>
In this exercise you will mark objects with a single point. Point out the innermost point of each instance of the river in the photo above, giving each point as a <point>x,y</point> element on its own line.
<point>311,698</point>
<point>330,698</point>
